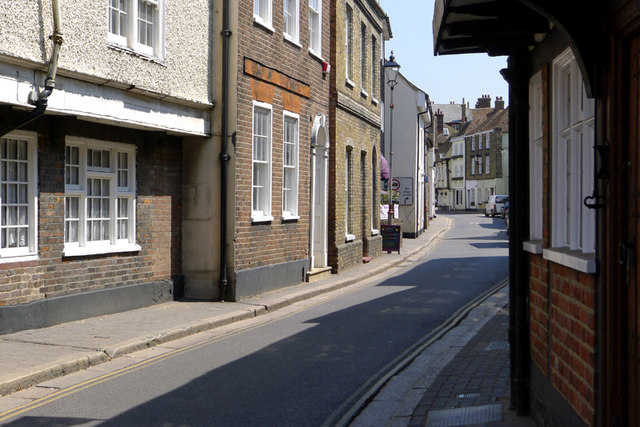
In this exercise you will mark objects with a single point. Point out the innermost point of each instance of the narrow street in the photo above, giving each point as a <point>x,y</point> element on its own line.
<point>307,364</point>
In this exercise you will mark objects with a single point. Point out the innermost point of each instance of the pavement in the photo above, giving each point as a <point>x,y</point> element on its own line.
<point>460,378</point>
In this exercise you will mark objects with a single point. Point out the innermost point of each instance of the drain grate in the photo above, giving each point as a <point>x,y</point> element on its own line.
<point>465,416</point>
<point>497,345</point>
<point>468,395</point>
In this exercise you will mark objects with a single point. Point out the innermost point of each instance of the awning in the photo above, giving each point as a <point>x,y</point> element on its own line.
<point>384,168</point>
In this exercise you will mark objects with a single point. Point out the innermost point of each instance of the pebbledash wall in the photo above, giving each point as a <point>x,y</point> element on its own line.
<point>279,75</point>
<point>355,128</point>
<point>114,96</point>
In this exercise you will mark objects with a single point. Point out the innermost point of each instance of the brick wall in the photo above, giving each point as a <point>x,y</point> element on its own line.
<point>286,76</point>
<point>158,222</point>
<point>354,125</point>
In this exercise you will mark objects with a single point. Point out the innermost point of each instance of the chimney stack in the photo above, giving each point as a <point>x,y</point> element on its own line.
<point>439,122</point>
<point>499,103</point>
<point>484,102</point>
<point>463,112</point>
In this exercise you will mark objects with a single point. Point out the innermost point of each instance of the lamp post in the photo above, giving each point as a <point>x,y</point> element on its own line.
<point>391,72</point>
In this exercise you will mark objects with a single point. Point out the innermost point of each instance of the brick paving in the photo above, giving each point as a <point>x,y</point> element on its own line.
<point>478,375</point>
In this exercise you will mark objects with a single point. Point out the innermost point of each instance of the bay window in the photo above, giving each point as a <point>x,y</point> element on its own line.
<point>572,153</point>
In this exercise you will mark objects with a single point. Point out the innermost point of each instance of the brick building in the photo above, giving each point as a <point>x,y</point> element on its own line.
<point>574,180</point>
<point>278,113</point>
<point>91,177</point>
<point>486,152</point>
<point>358,31</point>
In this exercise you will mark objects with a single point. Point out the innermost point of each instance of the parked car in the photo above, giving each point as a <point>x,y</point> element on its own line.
<point>495,205</point>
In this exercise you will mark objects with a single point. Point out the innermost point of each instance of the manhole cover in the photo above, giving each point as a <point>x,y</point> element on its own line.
<point>465,416</point>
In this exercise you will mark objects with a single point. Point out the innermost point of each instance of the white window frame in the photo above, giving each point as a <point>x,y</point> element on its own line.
<point>129,37</point>
<point>572,140</point>
<point>473,166</point>
<point>534,244</point>
<point>374,68</point>
<point>84,246</point>
<point>29,251</point>
<point>291,212</point>
<point>291,28</point>
<point>349,45</point>
<point>487,164</point>
<point>348,195</point>
<point>363,59</point>
<point>263,214</point>
<point>315,28</point>
<point>263,12</point>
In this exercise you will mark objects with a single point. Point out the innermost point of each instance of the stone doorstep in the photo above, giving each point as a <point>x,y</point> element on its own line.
<point>318,274</point>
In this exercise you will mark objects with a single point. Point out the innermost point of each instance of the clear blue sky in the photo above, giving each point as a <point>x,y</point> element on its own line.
<point>445,78</point>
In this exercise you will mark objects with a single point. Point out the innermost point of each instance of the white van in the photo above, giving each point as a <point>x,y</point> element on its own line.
<point>495,205</point>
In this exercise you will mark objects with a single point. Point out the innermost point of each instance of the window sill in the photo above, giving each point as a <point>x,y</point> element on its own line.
<point>375,232</point>
<point>315,55</point>
<point>349,238</point>
<point>533,246</point>
<point>261,219</point>
<point>576,260</point>
<point>290,217</point>
<point>260,22</point>
<point>18,258</point>
<point>143,55</point>
<point>291,40</point>
<point>364,93</point>
<point>374,101</point>
<point>99,250</point>
<point>349,83</point>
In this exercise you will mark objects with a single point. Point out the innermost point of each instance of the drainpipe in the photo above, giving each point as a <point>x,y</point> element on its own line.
<point>518,223</point>
<point>224,156</point>
<point>42,97</point>
<point>426,202</point>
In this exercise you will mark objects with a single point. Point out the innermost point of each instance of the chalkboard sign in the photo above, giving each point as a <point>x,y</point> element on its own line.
<point>391,238</point>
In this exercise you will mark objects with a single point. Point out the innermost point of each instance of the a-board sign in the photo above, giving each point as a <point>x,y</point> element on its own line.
<point>390,238</point>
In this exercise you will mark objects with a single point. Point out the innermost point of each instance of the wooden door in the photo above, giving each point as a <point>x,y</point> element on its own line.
<point>629,253</point>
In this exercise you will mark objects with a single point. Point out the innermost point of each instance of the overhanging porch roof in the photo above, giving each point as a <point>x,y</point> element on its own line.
<point>502,27</point>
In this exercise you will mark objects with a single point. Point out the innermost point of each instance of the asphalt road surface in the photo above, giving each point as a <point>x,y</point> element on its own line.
<point>308,364</point>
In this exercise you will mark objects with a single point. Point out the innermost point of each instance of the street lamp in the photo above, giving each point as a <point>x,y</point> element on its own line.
<point>391,68</point>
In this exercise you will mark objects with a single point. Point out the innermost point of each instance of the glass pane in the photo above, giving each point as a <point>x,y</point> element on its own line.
<point>23,239</point>
<point>22,150</point>
<point>22,172</point>
<point>12,171</point>
<point>13,193</point>
<point>22,215</point>
<point>123,209</point>
<point>13,237</point>
<point>11,149</point>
